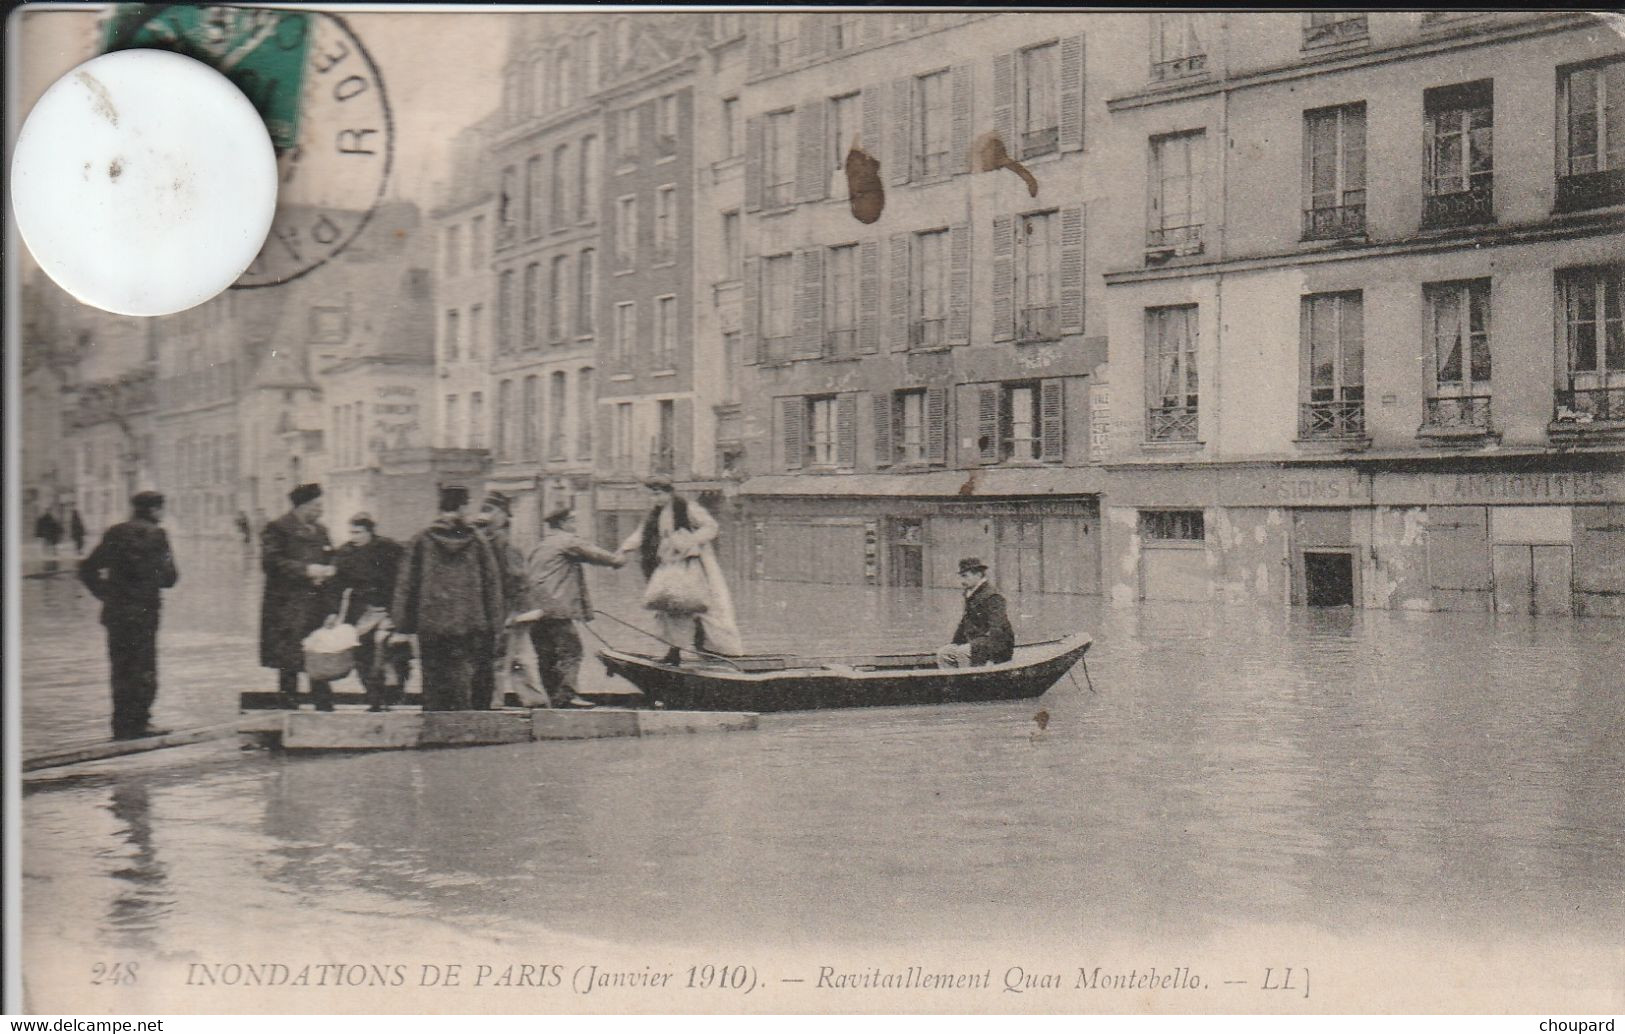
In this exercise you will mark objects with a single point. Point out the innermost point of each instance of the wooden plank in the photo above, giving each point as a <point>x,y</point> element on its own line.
<point>118,748</point>
<point>459,728</point>
<point>657,723</point>
<point>363,730</point>
<point>267,700</point>
<point>598,723</point>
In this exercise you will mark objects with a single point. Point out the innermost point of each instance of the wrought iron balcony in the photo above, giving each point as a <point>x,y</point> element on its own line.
<point>1178,67</point>
<point>663,459</point>
<point>928,333</point>
<point>1318,420</point>
<point>1040,141</point>
<point>1461,208</point>
<point>1332,222</point>
<point>1170,424</point>
<point>556,446</point>
<point>1039,323</point>
<point>1580,406</point>
<point>843,341</point>
<point>1591,190</point>
<point>930,166</point>
<point>778,195</point>
<point>1343,30</point>
<point>1456,415</point>
<point>1178,240</point>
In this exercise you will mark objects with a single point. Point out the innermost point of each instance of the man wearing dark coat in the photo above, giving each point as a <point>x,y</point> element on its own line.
<point>984,635</point>
<point>449,594</point>
<point>127,571</point>
<point>296,555</point>
<point>366,567</point>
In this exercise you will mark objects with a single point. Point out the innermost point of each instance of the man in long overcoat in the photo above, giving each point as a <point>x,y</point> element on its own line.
<point>449,594</point>
<point>127,571</point>
<point>296,555</point>
<point>984,635</point>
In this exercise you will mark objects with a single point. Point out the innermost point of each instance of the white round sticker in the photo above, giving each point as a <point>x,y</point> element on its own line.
<point>144,182</point>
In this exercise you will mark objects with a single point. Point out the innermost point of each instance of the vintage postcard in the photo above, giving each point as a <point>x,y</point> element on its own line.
<point>887,511</point>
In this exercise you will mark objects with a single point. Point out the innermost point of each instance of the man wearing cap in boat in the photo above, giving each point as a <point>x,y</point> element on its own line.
<point>449,594</point>
<point>297,557</point>
<point>127,571</point>
<point>556,590</point>
<point>984,635</point>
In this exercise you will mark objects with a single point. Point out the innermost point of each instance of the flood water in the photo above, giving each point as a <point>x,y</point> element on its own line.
<point>1345,772</point>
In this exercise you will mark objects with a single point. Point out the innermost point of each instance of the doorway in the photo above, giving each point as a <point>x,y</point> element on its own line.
<point>1328,578</point>
<point>1533,579</point>
<point>906,555</point>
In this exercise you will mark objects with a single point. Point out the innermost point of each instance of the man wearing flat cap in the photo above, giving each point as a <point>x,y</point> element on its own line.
<point>297,557</point>
<point>128,571</point>
<point>984,635</point>
<point>449,595</point>
<point>556,590</point>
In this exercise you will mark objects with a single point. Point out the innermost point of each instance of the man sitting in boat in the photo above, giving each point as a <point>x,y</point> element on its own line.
<point>984,635</point>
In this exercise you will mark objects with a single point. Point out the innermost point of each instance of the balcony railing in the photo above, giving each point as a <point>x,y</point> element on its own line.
<point>1039,323</point>
<point>1344,419</point>
<point>1590,190</point>
<point>778,195</point>
<point>841,342</point>
<point>1175,68</point>
<point>928,333</point>
<point>1342,30</point>
<point>1589,405</point>
<point>663,459</point>
<point>930,166</point>
<point>1035,142</point>
<point>556,446</point>
<point>1177,240</point>
<point>1170,424</point>
<point>776,349</point>
<point>1461,208</point>
<point>1333,222</point>
<point>1457,413</point>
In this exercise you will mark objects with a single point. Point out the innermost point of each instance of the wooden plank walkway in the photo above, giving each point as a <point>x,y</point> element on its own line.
<point>98,751</point>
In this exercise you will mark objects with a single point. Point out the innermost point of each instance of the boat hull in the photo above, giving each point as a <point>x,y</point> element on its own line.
<point>716,687</point>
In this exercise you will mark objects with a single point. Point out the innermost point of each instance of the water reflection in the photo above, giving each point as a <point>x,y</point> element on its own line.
<point>140,894</point>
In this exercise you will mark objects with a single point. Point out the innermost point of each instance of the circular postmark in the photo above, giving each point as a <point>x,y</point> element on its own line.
<point>323,101</point>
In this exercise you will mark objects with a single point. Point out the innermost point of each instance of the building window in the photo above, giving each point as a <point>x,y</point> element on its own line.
<point>841,301</point>
<point>626,138</point>
<point>626,232</point>
<point>1459,324</point>
<point>843,31</point>
<point>1334,172</point>
<point>1172,525</point>
<point>666,124</point>
<point>592,174</point>
<point>1459,145</point>
<point>1038,277</point>
<point>1178,194</point>
<point>476,420</point>
<point>732,143</point>
<point>663,457</point>
<point>1176,46</point>
<point>1040,115</point>
<point>531,427</point>
<point>1019,434</point>
<point>533,291</point>
<point>451,436</point>
<point>476,324</point>
<point>507,202</point>
<point>730,366</point>
<point>781,43</point>
<point>584,411</point>
<point>591,68</point>
<point>539,92</point>
<point>623,41</point>
<point>452,349</point>
<point>505,331</point>
<point>557,394</point>
<point>623,435</point>
<point>476,242</point>
<point>666,223</point>
<point>845,119</point>
<point>933,124</point>
<point>779,169</point>
<point>1329,28</point>
<point>821,431</point>
<point>1593,310</point>
<point>558,298</point>
<point>586,294</point>
<point>777,306</point>
<point>626,329</point>
<point>1591,158</point>
<point>729,26</point>
<point>533,196</point>
<point>666,329</point>
<point>1170,373</point>
<point>454,244</point>
<point>565,94</point>
<point>1333,349</point>
<point>559,196</point>
<point>502,433</point>
<point>732,246</point>
<point>929,283</point>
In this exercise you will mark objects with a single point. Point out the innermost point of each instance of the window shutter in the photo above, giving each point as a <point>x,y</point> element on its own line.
<point>869,297</point>
<point>792,411</point>
<point>755,137</point>
<point>1004,278</point>
<point>987,423</point>
<point>883,428</point>
<point>874,118</point>
<point>959,284</point>
<point>810,304</point>
<point>1071,93</point>
<point>1052,420</point>
<point>846,431</point>
<point>963,103</point>
<point>1004,102</point>
<point>936,425</point>
<point>902,136</point>
<point>897,288</point>
<point>1072,284</point>
<point>751,331</point>
<point>812,172</point>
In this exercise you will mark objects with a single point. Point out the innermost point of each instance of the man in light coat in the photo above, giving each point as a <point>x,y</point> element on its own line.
<point>557,590</point>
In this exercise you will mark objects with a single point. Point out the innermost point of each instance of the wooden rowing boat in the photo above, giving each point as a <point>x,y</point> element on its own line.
<point>761,684</point>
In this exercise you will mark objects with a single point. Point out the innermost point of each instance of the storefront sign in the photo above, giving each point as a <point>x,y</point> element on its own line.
<point>1501,487</point>
<point>1291,487</point>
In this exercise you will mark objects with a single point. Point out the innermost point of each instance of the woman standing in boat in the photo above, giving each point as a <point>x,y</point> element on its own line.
<point>686,589</point>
